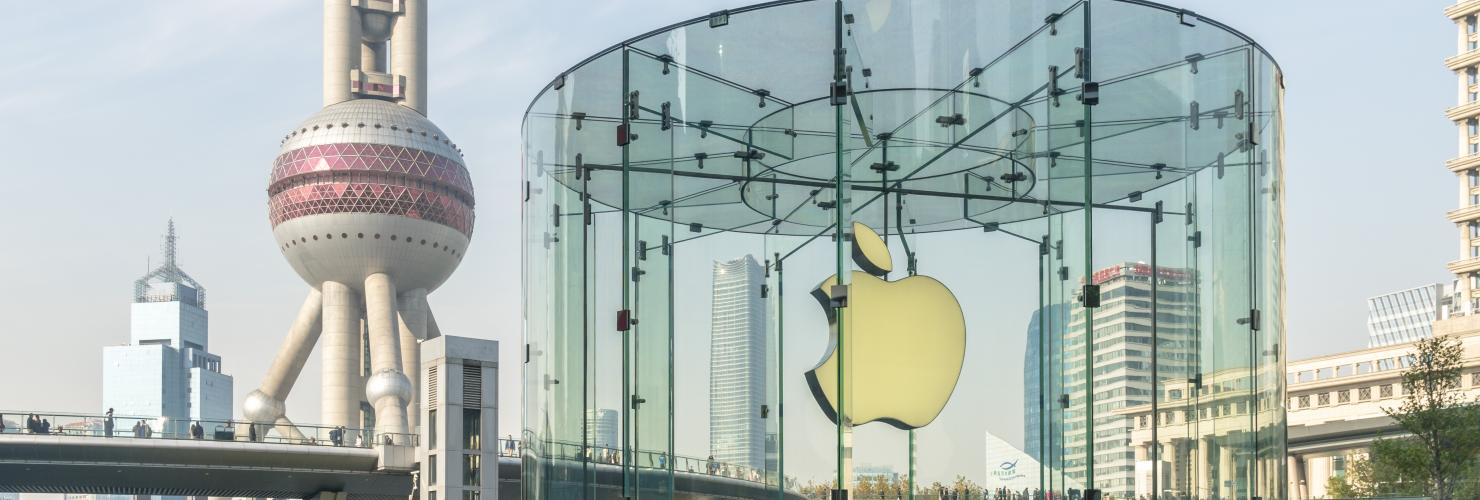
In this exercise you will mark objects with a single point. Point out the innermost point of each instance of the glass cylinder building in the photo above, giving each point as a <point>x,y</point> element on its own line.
<point>994,249</point>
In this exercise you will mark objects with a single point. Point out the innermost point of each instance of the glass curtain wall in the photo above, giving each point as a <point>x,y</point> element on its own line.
<point>1002,249</point>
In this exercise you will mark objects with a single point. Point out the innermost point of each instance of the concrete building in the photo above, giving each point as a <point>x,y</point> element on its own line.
<point>372,206</point>
<point>1336,406</point>
<point>737,364</point>
<point>1406,315</point>
<point>1466,164</point>
<point>166,369</point>
<point>1123,379</point>
<point>459,450</point>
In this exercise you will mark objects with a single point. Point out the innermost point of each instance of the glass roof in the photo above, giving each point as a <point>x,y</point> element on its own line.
<point>955,114</point>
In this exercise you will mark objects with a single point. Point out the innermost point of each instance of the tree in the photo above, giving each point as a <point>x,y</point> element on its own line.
<point>1442,456</point>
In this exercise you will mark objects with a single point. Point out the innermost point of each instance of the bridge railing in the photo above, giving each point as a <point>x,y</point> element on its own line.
<point>148,427</point>
<point>559,450</point>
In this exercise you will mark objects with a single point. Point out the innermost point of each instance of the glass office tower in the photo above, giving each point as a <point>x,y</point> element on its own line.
<point>737,364</point>
<point>915,180</point>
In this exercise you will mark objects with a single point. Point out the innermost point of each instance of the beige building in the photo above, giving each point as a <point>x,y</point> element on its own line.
<point>1335,411</point>
<point>1466,165</point>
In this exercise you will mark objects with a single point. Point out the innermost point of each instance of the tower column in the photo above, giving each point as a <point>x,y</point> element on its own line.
<point>388,388</point>
<point>409,53</point>
<point>413,311</point>
<point>342,34</point>
<point>341,356</point>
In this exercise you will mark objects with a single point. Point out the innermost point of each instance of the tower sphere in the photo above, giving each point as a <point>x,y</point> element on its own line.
<point>368,186</point>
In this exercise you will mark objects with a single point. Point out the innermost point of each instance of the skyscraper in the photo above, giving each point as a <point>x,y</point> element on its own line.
<point>1123,378</point>
<point>166,369</point>
<point>737,364</point>
<point>1055,317</point>
<point>1405,316</point>
<point>601,428</point>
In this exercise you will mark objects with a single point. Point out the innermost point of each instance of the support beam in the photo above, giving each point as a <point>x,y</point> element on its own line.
<point>343,385</point>
<point>388,388</point>
<point>412,314</point>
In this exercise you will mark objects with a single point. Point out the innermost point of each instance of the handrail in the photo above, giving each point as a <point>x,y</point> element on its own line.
<point>159,427</point>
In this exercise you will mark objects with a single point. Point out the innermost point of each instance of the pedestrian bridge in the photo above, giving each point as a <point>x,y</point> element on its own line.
<point>78,457</point>
<point>131,466</point>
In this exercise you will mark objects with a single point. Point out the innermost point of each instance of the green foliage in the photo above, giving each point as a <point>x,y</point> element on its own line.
<point>1441,458</point>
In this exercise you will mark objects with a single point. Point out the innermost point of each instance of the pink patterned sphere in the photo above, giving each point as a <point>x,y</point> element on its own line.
<point>369,186</point>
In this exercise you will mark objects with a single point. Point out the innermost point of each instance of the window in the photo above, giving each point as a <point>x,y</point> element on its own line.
<point>1475,379</point>
<point>431,469</point>
<point>1472,76</point>
<point>1385,391</point>
<point>431,428</point>
<point>1475,251</point>
<point>431,495</point>
<point>471,470</point>
<point>1474,198</point>
<point>1323,398</point>
<point>1305,401</point>
<point>1474,233</point>
<point>1474,148</point>
<point>472,429</point>
<point>1344,396</point>
<point>470,494</point>
<point>1470,24</point>
<point>1364,393</point>
<point>1473,127</point>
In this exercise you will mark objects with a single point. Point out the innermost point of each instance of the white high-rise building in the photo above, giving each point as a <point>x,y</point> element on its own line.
<point>737,364</point>
<point>1466,164</point>
<point>601,428</point>
<point>1123,378</point>
<point>166,369</point>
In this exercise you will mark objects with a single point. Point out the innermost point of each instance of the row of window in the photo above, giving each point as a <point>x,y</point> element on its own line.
<point>1348,370</point>
<point>1171,417</point>
<point>1384,391</point>
<point>345,236</point>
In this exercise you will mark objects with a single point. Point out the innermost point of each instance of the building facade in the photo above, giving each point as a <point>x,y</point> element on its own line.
<point>1045,331</point>
<point>601,428</point>
<point>167,370</point>
<point>458,453</point>
<point>737,366</point>
<point>1407,315</point>
<point>1123,378</point>
<point>1466,164</point>
<point>1337,402</point>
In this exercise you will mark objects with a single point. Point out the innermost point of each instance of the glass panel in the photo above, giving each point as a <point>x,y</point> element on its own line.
<point>976,151</point>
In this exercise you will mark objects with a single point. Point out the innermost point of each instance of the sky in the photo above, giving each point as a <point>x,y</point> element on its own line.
<point>119,116</point>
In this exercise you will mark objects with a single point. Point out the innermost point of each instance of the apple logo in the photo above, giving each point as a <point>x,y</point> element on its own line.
<point>906,341</point>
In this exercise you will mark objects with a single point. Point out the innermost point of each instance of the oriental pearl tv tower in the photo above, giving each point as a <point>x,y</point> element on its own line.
<point>372,205</point>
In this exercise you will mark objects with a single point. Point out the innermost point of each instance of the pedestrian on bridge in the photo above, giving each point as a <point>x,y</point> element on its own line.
<point>45,426</point>
<point>108,424</point>
<point>196,431</point>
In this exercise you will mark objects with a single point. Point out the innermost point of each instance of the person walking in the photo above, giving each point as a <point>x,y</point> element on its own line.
<point>108,424</point>
<point>196,431</point>
<point>45,426</point>
<point>252,432</point>
<point>2,423</point>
